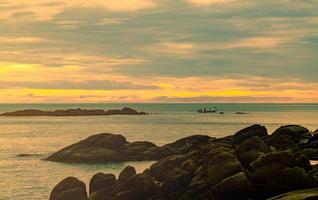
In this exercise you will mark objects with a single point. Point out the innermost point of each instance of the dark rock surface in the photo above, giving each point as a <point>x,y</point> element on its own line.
<point>73,112</point>
<point>248,165</point>
<point>106,147</point>
<point>69,189</point>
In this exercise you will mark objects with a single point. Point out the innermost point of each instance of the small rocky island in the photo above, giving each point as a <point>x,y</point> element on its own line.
<point>251,164</point>
<point>74,112</point>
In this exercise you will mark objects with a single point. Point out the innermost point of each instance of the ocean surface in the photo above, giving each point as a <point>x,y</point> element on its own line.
<point>26,178</point>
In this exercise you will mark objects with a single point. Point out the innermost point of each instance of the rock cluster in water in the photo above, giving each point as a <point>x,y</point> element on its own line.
<point>74,112</point>
<point>248,165</point>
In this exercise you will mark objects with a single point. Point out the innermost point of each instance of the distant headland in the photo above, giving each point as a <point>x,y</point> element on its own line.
<point>74,112</point>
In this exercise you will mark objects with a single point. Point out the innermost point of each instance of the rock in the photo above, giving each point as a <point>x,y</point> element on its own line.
<point>289,179</point>
<point>222,113</point>
<point>106,140</point>
<point>190,143</point>
<point>69,189</point>
<point>126,174</point>
<point>235,187</point>
<point>251,131</point>
<point>73,112</point>
<point>143,187</point>
<point>220,164</point>
<point>296,132</point>
<point>101,181</point>
<point>306,194</point>
<point>240,113</point>
<point>248,150</point>
<point>266,166</point>
<point>124,195</point>
<point>106,147</point>
<point>281,142</point>
<point>129,111</point>
<point>162,169</point>
<point>275,173</point>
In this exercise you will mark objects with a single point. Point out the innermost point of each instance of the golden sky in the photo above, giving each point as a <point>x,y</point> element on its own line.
<point>158,51</point>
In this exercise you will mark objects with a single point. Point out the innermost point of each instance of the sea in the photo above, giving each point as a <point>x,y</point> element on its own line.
<point>32,178</point>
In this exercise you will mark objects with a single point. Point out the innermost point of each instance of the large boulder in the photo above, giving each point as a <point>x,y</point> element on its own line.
<point>277,172</point>
<point>296,132</point>
<point>143,187</point>
<point>219,164</point>
<point>106,147</point>
<point>251,131</point>
<point>126,174</point>
<point>101,181</point>
<point>265,167</point>
<point>289,179</point>
<point>248,150</point>
<point>69,189</point>
<point>162,169</point>
<point>235,187</point>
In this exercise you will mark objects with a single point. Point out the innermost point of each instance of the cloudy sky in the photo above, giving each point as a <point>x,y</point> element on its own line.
<point>158,51</point>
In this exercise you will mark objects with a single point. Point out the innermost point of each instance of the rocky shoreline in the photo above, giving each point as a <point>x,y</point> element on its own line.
<point>251,164</point>
<point>74,112</point>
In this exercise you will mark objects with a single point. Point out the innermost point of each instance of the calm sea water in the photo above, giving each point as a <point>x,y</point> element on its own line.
<point>31,178</point>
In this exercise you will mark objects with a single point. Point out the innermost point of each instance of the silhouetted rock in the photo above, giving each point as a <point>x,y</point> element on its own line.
<point>69,189</point>
<point>296,132</point>
<point>126,174</point>
<point>251,131</point>
<point>235,187</point>
<point>248,150</point>
<point>101,181</point>
<point>106,147</point>
<point>73,112</point>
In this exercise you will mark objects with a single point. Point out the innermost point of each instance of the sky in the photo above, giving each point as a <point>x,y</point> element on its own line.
<point>55,51</point>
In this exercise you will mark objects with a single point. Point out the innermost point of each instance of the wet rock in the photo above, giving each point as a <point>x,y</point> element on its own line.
<point>69,189</point>
<point>251,131</point>
<point>101,181</point>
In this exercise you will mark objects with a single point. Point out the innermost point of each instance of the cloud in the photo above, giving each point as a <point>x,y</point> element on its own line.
<point>46,10</point>
<point>189,49</point>
<point>172,48</point>
<point>210,2</point>
<point>21,40</point>
<point>77,85</point>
